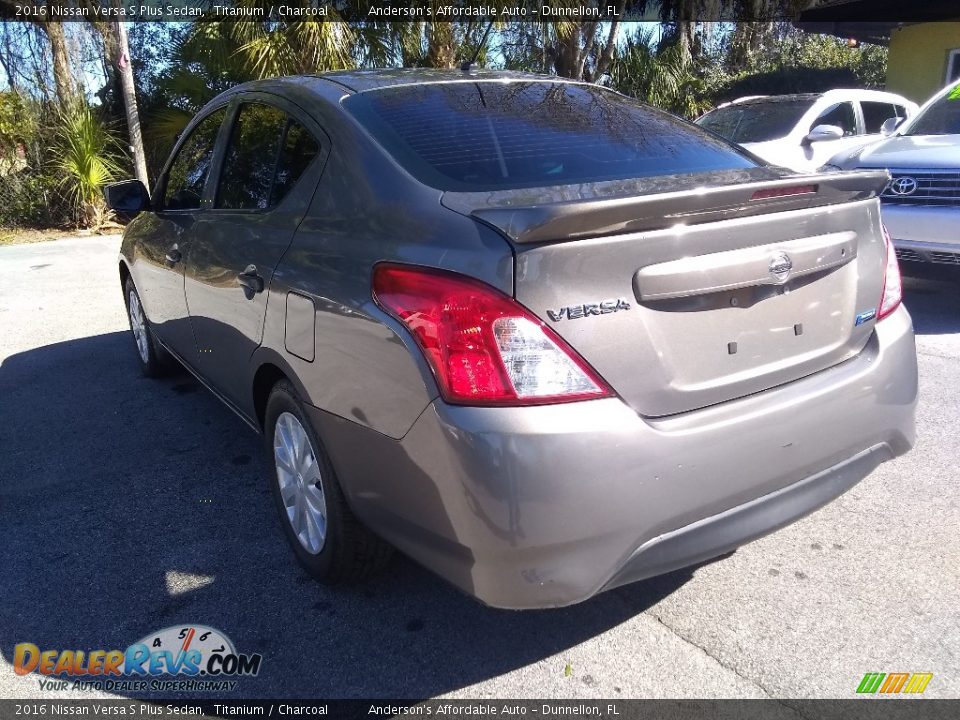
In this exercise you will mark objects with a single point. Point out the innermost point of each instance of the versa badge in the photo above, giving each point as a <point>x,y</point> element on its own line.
<point>573,312</point>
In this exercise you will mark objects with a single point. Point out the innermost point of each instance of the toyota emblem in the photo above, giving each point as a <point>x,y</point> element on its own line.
<point>903,186</point>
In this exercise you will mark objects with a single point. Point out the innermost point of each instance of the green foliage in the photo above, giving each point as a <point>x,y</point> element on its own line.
<point>777,58</point>
<point>86,156</point>
<point>198,65</point>
<point>292,48</point>
<point>695,67</point>
<point>53,172</point>
<point>868,63</point>
<point>25,185</point>
<point>25,200</point>
<point>786,81</point>
<point>667,77</point>
<point>18,122</point>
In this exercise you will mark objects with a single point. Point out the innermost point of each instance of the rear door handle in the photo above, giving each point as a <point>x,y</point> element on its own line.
<point>250,279</point>
<point>173,255</point>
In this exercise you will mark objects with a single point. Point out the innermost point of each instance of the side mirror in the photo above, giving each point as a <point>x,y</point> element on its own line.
<point>891,124</point>
<point>824,132</point>
<point>128,197</point>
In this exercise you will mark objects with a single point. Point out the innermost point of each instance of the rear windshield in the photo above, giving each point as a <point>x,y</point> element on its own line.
<point>472,136</point>
<point>756,122</point>
<point>942,117</point>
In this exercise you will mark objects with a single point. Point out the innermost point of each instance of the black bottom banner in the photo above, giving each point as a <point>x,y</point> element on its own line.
<point>865,709</point>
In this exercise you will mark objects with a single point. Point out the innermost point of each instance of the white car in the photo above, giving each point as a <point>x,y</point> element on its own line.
<point>921,204</point>
<point>802,132</point>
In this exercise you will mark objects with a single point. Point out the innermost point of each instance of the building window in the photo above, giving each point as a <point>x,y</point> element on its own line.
<point>953,66</point>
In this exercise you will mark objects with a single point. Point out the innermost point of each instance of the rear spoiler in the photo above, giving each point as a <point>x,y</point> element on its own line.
<point>551,216</point>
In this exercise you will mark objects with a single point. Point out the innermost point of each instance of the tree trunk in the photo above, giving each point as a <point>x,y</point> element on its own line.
<point>112,92</point>
<point>62,72</point>
<point>441,45</point>
<point>606,57</point>
<point>567,53</point>
<point>125,66</point>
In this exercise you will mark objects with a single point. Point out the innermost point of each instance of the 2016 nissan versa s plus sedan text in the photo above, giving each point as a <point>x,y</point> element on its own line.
<point>541,338</point>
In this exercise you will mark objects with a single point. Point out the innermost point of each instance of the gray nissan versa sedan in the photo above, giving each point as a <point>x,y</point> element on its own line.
<point>541,338</point>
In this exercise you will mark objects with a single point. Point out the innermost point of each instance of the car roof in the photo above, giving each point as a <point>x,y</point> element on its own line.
<point>836,94</point>
<point>364,80</point>
<point>866,94</point>
<point>336,84</point>
<point>333,85</point>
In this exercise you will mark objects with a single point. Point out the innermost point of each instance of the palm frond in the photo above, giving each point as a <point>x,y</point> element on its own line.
<point>86,156</point>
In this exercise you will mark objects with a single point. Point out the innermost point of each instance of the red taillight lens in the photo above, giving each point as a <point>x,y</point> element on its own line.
<point>892,283</point>
<point>483,346</point>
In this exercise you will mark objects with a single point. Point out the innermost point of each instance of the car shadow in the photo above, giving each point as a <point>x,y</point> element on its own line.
<point>934,305</point>
<point>129,505</point>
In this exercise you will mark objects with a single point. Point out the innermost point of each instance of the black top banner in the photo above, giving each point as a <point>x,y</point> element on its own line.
<point>822,11</point>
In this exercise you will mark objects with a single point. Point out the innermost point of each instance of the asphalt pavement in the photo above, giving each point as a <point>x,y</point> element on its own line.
<point>129,505</point>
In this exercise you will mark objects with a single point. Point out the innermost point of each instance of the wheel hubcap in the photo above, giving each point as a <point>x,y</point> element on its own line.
<point>301,487</point>
<point>138,326</point>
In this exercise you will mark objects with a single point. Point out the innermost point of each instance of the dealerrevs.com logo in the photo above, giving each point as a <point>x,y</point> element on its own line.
<point>180,658</point>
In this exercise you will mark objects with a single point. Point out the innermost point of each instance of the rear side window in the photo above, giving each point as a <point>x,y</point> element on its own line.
<point>190,168</point>
<point>875,113</point>
<point>267,154</point>
<point>472,136</point>
<point>297,152</point>
<point>756,121</point>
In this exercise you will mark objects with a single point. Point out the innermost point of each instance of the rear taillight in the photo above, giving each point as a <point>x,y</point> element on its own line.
<point>484,348</point>
<point>892,284</point>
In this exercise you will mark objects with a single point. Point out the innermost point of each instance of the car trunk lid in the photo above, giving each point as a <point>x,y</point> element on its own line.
<point>689,297</point>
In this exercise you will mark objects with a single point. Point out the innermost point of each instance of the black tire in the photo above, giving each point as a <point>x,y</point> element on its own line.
<point>154,360</point>
<point>350,552</point>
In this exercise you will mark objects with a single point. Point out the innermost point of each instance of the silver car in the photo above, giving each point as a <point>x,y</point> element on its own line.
<point>921,204</point>
<point>541,338</point>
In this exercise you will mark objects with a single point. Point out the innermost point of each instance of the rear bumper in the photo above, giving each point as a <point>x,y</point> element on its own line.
<point>720,533</point>
<point>924,233</point>
<point>546,506</point>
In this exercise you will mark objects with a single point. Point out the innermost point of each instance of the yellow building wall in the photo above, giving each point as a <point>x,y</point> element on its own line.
<point>917,63</point>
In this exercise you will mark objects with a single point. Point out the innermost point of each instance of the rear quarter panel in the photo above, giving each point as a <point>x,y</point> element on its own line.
<point>366,367</point>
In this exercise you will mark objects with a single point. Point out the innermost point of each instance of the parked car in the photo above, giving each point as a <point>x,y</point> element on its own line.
<point>542,338</point>
<point>802,132</point>
<point>921,203</point>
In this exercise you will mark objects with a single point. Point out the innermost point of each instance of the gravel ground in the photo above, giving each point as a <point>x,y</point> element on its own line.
<point>129,505</point>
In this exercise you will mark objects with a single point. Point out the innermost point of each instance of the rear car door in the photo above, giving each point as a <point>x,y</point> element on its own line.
<point>164,235</point>
<point>268,174</point>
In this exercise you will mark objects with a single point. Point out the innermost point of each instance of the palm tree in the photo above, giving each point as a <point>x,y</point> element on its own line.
<point>269,49</point>
<point>666,77</point>
<point>86,156</point>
